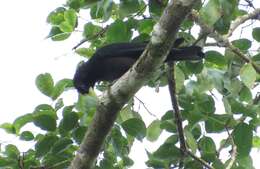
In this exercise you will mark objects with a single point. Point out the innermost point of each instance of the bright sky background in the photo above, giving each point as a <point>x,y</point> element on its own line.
<point>25,53</point>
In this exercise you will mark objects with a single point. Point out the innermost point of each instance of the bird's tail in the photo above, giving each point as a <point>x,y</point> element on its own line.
<point>185,53</point>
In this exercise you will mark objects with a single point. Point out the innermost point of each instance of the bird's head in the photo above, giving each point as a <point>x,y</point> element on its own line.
<point>82,79</point>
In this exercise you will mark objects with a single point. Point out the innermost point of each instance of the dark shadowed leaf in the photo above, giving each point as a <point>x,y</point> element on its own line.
<point>242,44</point>
<point>61,145</point>
<point>135,127</point>
<point>12,151</point>
<point>27,136</point>
<point>44,116</point>
<point>256,34</point>
<point>118,32</point>
<point>45,144</point>
<point>243,136</point>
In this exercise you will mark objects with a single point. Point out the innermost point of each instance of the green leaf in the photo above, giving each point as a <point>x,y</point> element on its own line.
<point>215,57</point>
<point>69,121</point>
<point>145,26</point>
<point>156,8</point>
<point>119,142</point>
<point>22,120</point>
<point>27,136</point>
<point>12,151</point>
<point>127,161</point>
<point>79,133</point>
<point>167,151</point>
<point>194,67</point>
<point>86,52</point>
<point>216,123</point>
<point>61,145</point>
<point>70,17</point>
<point>44,116</point>
<point>60,87</point>
<point>45,144</point>
<point>91,30</point>
<point>127,7</point>
<point>57,35</point>
<point>135,127</point>
<point>59,104</point>
<point>242,44</point>
<point>66,27</point>
<point>207,148</point>
<point>256,58</point>
<point>245,162</point>
<point>7,162</point>
<point>211,12</point>
<point>245,94</point>
<point>57,16</point>
<point>248,75</point>
<point>8,127</point>
<point>205,103</point>
<point>243,137</point>
<point>168,125</point>
<point>256,142</point>
<point>118,32</point>
<point>190,141</point>
<point>179,78</point>
<point>256,34</point>
<point>45,84</point>
<point>154,130</point>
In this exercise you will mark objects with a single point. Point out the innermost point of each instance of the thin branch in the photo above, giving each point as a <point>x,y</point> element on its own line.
<point>242,19</point>
<point>223,40</point>
<point>176,112</point>
<point>145,107</point>
<point>178,119</point>
<point>100,33</point>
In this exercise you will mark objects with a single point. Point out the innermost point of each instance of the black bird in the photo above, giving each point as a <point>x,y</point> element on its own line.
<point>112,61</point>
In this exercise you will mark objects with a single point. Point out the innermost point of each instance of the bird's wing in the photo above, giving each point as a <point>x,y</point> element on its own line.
<point>132,50</point>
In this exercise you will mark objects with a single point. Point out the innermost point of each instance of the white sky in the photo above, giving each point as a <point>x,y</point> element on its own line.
<point>25,54</point>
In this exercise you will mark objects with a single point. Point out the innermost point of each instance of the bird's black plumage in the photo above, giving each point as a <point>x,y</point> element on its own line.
<point>112,61</point>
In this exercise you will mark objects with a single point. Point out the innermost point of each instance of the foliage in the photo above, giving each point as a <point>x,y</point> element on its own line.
<point>221,73</point>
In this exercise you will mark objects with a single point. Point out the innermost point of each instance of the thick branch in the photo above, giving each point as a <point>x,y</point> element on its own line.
<point>114,99</point>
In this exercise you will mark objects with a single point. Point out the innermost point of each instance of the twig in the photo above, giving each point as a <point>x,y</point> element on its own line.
<point>250,4</point>
<point>101,32</point>
<point>242,19</point>
<point>224,40</point>
<point>145,107</point>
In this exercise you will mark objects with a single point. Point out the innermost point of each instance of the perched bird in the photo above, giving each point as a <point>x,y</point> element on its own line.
<point>112,61</point>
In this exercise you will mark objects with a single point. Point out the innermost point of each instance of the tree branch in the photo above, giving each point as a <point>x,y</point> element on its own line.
<point>113,100</point>
<point>175,106</point>
<point>223,40</point>
<point>242,19</point>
